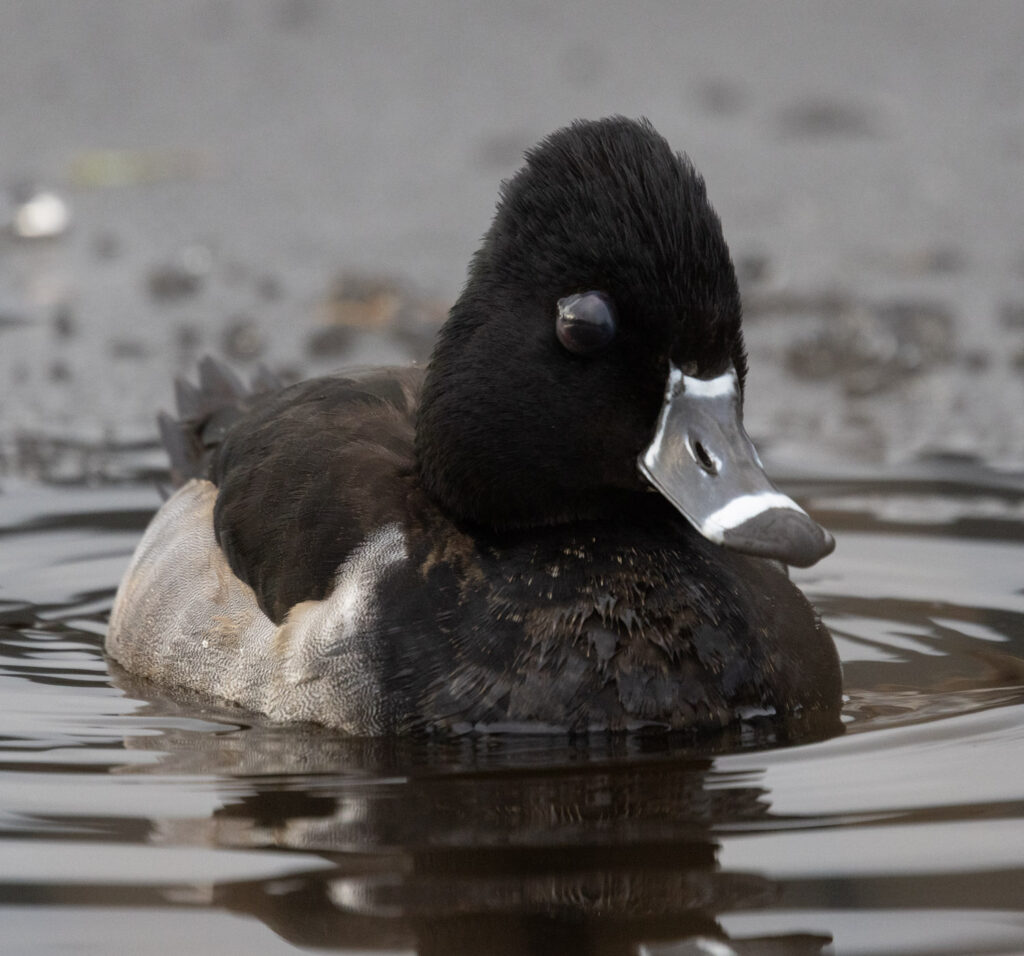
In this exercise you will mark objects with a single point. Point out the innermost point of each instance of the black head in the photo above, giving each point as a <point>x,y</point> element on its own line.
<point>541,395</point>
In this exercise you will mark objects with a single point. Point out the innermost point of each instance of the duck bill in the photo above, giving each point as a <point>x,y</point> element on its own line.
<point>702,461</point>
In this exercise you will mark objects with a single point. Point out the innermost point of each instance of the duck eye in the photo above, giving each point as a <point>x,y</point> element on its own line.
<point>586,322</point>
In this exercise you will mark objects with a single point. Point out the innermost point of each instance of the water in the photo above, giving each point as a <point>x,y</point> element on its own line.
<point>130,817</point>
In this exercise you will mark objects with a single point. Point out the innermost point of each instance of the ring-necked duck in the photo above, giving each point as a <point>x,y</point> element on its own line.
<point>560,523</point>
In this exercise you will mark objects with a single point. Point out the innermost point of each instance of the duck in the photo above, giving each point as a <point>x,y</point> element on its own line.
<point>558,525</point>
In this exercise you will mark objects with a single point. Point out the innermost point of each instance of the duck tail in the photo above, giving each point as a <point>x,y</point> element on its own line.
<point>205,413</point>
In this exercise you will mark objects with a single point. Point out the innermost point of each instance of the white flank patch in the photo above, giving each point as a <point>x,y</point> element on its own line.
<point>354,599</point>
<point>724,384</point>
<point>742,509</point>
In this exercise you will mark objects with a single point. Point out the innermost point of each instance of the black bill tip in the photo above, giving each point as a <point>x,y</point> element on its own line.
<point>785,534</point>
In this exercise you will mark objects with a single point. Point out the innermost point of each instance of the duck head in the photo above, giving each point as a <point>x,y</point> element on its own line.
<point>596,353</point>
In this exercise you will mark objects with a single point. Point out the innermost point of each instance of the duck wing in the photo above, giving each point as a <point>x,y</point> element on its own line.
<point>303,473</point>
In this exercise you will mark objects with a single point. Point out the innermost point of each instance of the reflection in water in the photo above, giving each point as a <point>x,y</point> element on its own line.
<point>476,846</point>
<point>951,659</point>
<point>126,808</point>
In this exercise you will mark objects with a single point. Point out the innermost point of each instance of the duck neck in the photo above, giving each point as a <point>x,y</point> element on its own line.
<point>489,451</point>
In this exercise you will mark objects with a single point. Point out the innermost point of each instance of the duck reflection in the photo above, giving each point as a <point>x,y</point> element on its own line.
<point>484,846</point>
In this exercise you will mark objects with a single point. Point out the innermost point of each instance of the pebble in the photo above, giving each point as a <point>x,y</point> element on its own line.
<point>187,337</point>
<point>183,277</point>
<point>64,324</point>
<point>721,97</point>
<point>822,118</point>
<point>106,246</point>
<point>43,215</point>
<point>332,340</point>
<point>363,301</point>
<point>126,348</point>
<point>751,268</point>
<point>242,340</point>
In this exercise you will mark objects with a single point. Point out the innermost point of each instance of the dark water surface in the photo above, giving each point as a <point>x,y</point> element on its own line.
<point>137,822</point>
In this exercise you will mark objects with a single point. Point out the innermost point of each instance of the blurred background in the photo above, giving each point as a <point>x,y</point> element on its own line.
<point>301,183</point>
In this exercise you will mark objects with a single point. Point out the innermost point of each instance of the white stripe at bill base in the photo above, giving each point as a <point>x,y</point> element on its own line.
<point>742,509</point>
<point>724,384</point>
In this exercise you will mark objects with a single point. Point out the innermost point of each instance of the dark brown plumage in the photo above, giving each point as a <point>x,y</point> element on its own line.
<point>491,554</point>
